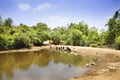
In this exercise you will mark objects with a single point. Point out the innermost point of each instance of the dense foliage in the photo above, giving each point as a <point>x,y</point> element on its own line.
<point>23,36</point>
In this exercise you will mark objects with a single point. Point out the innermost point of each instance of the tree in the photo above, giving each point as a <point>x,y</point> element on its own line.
<point>8,22</point>
<point>55,36</point>
<point>113,28</point>
<point>43,35</point>
<point>6,42</point>
<point>117,14</point>
<point>93,36</point>
<point>117,42</point>
<point>42,26</point>
<point>22,41</point>
<point>59,35</point>
<point>76,37</point>
<point>1,30</point>
<point>117,30</point>
<point>103,36</point>
<point>24,28</point>
<point>1,22</point>
<point>81,27</point>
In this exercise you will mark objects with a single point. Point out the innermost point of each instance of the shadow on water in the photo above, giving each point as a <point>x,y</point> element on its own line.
<point>45,65</point>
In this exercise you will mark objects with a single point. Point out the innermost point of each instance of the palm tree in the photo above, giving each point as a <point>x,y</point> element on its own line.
<point>112,27</point>
<point>117,14</point>
<point>112,22</point>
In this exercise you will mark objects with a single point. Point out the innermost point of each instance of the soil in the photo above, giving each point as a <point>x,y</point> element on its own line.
<point>106,67</point>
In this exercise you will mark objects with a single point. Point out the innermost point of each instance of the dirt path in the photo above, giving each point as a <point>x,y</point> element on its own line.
<point>107,66</point>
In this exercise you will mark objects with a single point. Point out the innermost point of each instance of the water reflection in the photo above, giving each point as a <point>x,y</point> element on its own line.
<point>41,66</point>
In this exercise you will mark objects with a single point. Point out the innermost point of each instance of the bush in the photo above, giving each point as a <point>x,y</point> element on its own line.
<point>22,41</point>
<point>1,30</point>
<point>93,45</point>
<point>6,42</point>
<point>3,43</point>
<point>76,37</point>
<point>36,41</point>
<point>43,35</point>
<point>10,44</point>
<point>117,42</point>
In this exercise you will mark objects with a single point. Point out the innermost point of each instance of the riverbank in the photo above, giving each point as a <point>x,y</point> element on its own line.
<point>25,50</point>
<point>107,66</point>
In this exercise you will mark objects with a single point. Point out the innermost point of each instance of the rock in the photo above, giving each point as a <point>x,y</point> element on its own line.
<point>90,64</point>
<point>101,71</point>
<point>112,69</point>
<point>87,65</point>
<point>93,63</point>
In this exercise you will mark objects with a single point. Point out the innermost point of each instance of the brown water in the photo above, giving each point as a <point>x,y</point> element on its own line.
<point>41,66</point>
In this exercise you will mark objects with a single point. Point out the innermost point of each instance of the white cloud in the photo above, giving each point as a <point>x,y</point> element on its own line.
<point>24,6</point>
<point>55,21</point>
<point>42,7</point>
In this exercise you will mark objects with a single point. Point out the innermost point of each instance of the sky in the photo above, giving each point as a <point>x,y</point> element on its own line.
<point>59,12</point>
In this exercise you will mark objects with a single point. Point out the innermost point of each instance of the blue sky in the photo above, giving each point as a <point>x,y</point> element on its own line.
<point>59,12</point>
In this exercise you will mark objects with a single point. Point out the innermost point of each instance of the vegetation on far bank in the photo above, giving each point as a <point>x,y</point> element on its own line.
<point>23,36</point>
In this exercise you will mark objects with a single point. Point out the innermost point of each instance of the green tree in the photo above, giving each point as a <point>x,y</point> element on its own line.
<point>22,41</point>
<point>1,22</point>
<point>117,14</point>
<point>6,42</point>
<point>23,28</point>
<point>93,36</point>
<point>43,35</point>
<point>41,26</point>
<point>117,42</point>
<point>8,22</point>
<point>55,36</point>
<point>76,37</point>
<point>103,36</point>
<point>81,27</point>
<point>113,28</point>
<point>1,30</point>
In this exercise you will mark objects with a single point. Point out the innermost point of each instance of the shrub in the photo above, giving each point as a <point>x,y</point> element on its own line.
<point>12,31</point>
<point>10,43</point>
<point>117,42</point>
<point>43,35</point>
<point>1,30</point>
<point>93,45</point>
<point>3,43</point>
<point>36,41</point>
<point>76,37</point>
<point>22,41</point>
<point>6,42</point>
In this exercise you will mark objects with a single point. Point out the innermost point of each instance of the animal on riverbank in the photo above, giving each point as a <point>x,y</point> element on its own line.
<point>63,49</point>
<point>68,49</point>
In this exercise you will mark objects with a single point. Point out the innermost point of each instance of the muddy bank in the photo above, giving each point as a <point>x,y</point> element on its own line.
<point>75,50</point>
<point>26,50</point>
<point>107,65</point>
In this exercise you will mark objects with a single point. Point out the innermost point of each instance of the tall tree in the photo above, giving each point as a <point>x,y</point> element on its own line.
<point>8,22</point>
<point>117,14</point>
<point>76,37</point>
<point>1,20</point>
<point>42,26</point>
<point>113,28</point>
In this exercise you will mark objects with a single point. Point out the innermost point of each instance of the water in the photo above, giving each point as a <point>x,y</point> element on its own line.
<point>41,66</point>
